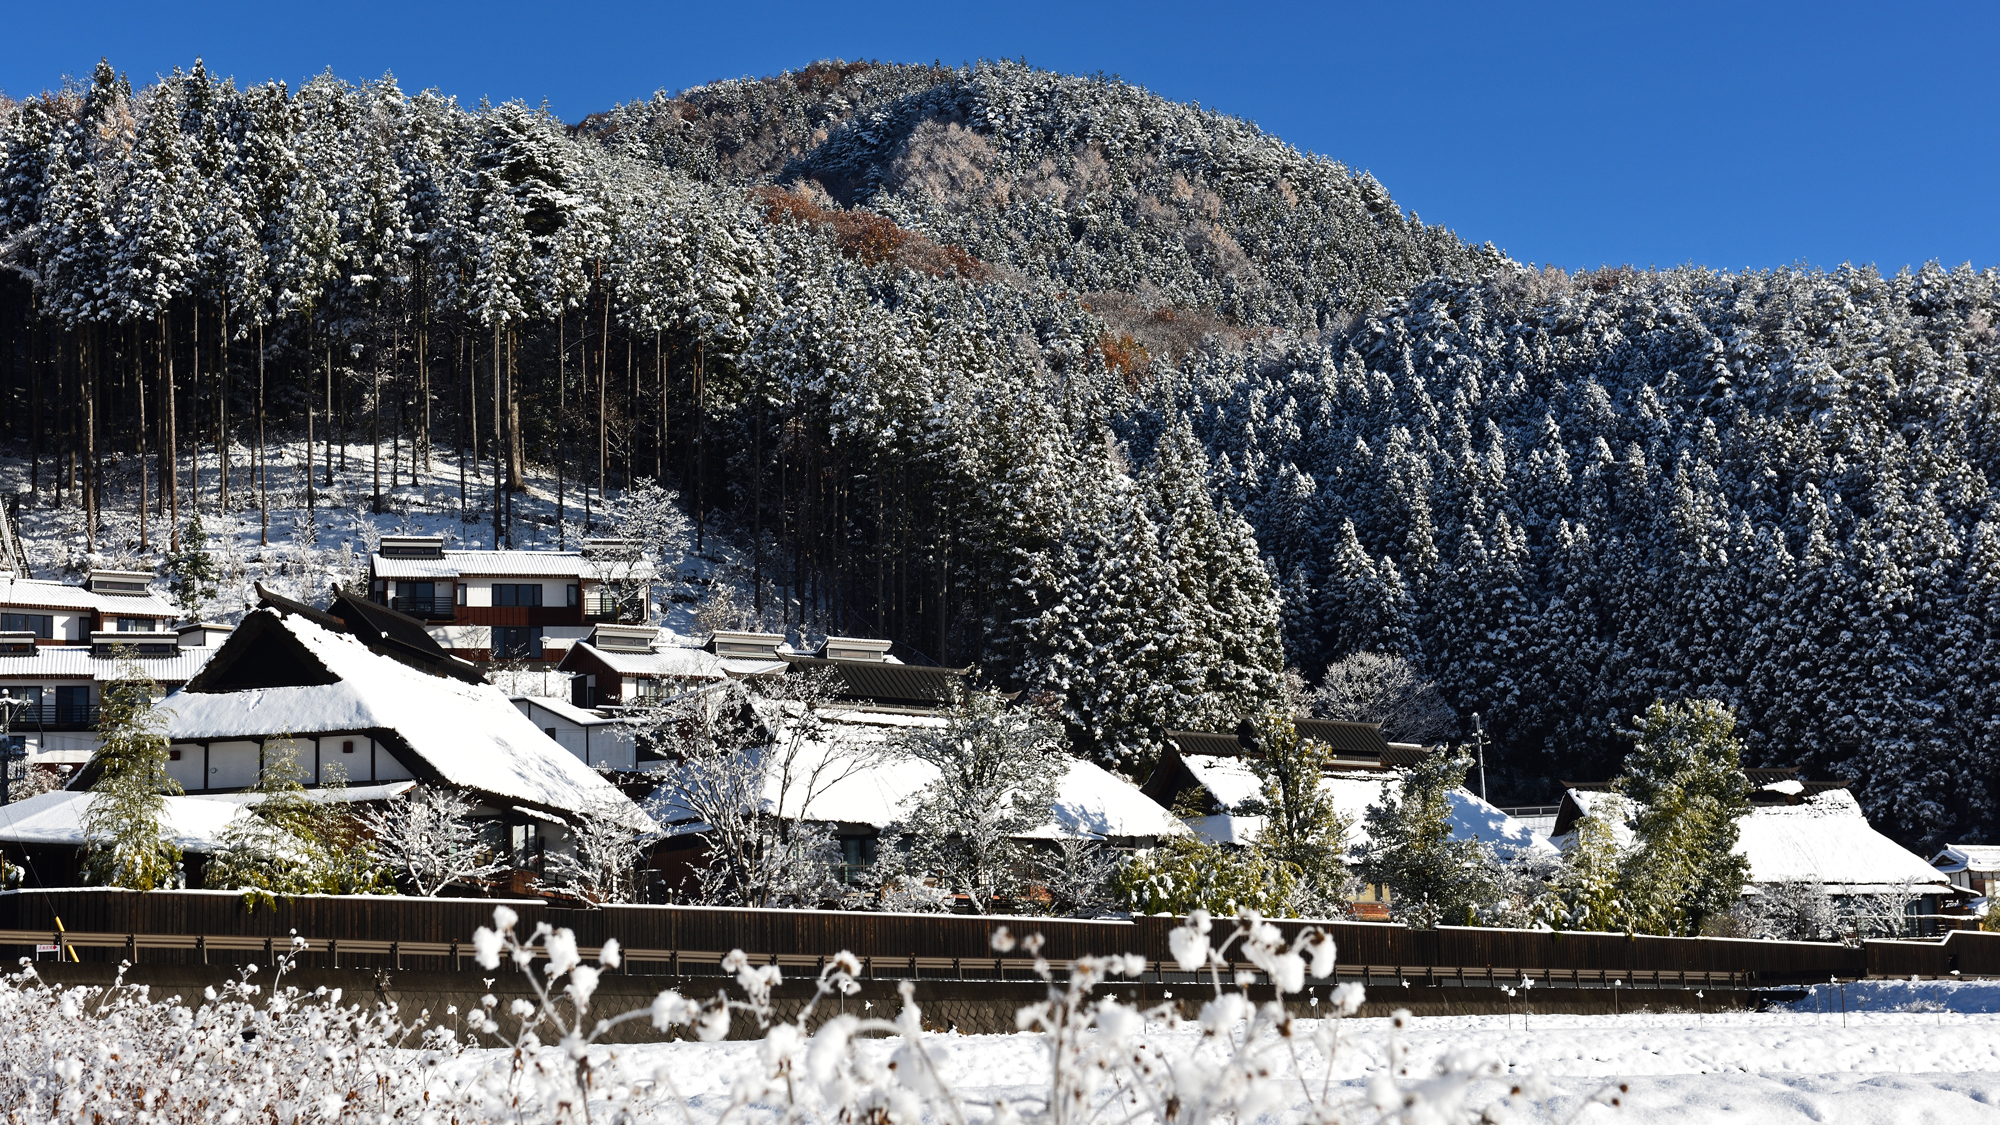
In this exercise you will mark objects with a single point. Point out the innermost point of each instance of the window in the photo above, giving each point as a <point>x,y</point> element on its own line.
<point>135,625</point>
<point>40,624</point>
<point>517,642</point>
<point>517,593</point>
<point>461,593</point>
<point>32,713</point>
<point>73,704</point>
<point>572,595</point>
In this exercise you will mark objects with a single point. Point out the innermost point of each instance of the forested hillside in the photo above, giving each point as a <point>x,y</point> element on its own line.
<point>1121,399</point>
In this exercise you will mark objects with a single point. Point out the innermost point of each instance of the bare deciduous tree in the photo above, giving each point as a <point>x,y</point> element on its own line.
<point>1370,687</point>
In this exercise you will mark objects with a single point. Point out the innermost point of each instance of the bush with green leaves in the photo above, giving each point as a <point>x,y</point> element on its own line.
<point>290,841</point>
<point>1188,873</point>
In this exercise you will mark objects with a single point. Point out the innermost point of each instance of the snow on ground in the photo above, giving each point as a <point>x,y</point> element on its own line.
<point>300,560</point>
<point>1883,1067</point>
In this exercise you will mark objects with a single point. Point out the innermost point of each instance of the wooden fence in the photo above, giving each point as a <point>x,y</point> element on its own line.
<point>397,932</point>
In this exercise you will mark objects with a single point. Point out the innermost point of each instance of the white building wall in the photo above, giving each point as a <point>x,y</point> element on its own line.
<point>232,765</point>
<point>187,765</point>
<point>353,753</point>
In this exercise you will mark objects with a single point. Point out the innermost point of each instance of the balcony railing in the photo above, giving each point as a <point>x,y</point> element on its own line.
<point>429,609</point>
<point>76,716</point>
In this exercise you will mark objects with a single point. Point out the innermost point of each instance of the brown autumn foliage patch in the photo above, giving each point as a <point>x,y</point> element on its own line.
<point>871,238</point>
<point>1124,355</point>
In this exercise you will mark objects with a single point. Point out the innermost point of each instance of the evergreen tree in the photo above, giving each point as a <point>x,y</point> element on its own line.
<point>1433,880</point>
<point>191,572</point>
<point>1684,775</point>
<point>127,843</point>
<point>1304,832</point>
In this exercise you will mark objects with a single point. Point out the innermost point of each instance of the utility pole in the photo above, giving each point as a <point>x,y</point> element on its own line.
<point>1479,740</point>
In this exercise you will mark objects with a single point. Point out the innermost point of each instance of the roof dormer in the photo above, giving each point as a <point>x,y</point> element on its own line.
<point>745,646</point>
<point>624,638</point>
<point>121,583</point>
<point>411,547</point>
<point>856,648</point>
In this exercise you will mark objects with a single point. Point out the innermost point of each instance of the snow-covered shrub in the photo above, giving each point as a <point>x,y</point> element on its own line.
<point>429,840</point>
<point>250,1052</point>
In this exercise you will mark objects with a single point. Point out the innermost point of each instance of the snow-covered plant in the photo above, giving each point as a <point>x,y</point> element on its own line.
<point>1188,873</point>
<point>191,573</point>
<point>1303,830</point>
<point>1684,773</point>
<point>1433,878</point>
<point>127,843</point>
<point>749,762</point>
<point>1793,911</point>
<point>429,840</point>
<point>998,766</point>
<point>1587,892</point>
<point>1372,687</point>
<point>600,860</point>
<point>291,840</point>
<point>1075,874</point>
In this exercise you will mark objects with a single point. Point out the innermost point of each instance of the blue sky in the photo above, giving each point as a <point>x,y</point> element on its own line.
<point>1727,134</point>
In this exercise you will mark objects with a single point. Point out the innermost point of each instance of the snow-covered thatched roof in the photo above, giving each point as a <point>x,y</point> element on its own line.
<point>1231,781</point>
<point>466,735</point>
<point>879,785</point>
<point>1826,839</point>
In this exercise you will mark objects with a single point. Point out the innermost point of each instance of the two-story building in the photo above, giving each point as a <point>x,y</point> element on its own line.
<point>510,605</point>
<point>61,644</point>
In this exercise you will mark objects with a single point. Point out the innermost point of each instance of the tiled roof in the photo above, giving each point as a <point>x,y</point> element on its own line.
<point>500,564</point>
<point>33,593</point>
<point>78,662</point>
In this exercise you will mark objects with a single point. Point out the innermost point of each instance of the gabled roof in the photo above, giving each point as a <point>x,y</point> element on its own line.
<point>395,635</point>
<point>77,662</point>
<point>36,593</point>
<point>676,661</point>
<point>1967,857</point>
<point>465,735</point>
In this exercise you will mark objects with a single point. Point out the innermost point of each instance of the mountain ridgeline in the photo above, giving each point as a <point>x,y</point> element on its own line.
<point>1123,400</point>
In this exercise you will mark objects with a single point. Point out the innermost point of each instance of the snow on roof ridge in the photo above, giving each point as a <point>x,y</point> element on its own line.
<point>471,734</point>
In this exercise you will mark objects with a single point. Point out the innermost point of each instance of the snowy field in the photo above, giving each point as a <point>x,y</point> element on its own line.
<point>1772,1067</point>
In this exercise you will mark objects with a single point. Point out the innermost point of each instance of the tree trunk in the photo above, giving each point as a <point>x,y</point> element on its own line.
<point>171,471</point>
<point>90,358</point>
<point>499,440</point>
<point>516,446</point>
<point>263,466</point>
<point>222,414</point>
<point>375,430</point>
<point>312,492</point>
<point>139,440</point>
<point>562,419</point>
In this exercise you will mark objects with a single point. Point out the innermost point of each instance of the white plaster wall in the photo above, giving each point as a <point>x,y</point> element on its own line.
<point>358,765</point>
<point>189,771</point>
<point>232,765</point>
